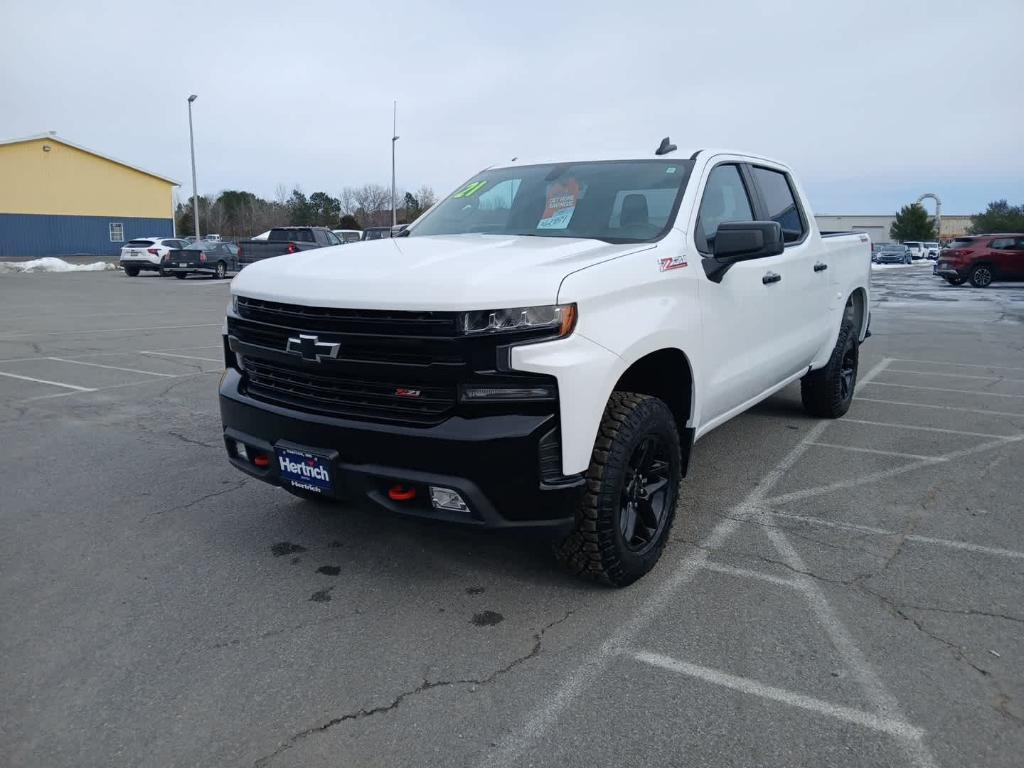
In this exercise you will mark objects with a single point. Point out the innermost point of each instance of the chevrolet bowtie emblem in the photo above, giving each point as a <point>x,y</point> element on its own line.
<point>310,348</point>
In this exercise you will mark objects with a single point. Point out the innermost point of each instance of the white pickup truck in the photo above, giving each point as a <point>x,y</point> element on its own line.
<point>544,346</point>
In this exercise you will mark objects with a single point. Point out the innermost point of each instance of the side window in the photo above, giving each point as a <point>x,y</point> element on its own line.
<point>332,238</point>
<point>1002,243</point>
<point>1019,244</point>
<point>725,199</point>
<point>780,202</point>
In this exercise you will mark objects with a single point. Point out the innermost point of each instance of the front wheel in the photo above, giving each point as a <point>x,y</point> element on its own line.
<point>624,518</point>
<point>828,392</point>
<point>955,280</point>
<point>221,271</point>
<point>981,276</point>
<point>181,275</point>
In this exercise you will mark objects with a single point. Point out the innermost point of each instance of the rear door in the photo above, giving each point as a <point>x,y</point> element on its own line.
<point>1016,260</point>
<point>1003,257</point>
<point>803,268</point>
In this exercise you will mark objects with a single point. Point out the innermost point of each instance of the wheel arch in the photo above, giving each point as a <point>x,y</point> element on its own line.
<point>667,374</point>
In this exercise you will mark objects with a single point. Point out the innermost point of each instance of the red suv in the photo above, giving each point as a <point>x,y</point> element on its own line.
<point>982,259</point>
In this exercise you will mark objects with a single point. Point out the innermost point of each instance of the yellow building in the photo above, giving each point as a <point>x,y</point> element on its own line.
<point>57,199</point>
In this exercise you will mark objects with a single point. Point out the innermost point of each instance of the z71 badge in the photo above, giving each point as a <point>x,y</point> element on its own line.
<point>671,262</point>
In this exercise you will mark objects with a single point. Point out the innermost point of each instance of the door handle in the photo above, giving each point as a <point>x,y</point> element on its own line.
<point>820,267</point>
<point>771,277</point>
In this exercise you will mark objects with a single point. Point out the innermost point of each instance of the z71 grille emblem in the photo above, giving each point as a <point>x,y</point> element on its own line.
<point>309,347</point>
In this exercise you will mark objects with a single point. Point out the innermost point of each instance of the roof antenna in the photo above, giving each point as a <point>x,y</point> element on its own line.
<point>666,147</point>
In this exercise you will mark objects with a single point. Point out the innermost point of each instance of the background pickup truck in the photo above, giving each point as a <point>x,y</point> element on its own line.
<point>206,257</point>
<point>282,240</point>
<point>545,346</point>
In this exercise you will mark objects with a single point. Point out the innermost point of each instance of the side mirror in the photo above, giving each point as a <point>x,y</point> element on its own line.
<point>742,241</point>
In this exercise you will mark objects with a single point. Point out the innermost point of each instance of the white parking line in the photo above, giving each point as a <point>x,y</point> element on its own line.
<point>957,365</point>
<point>185,357</point>
<point>948,543</point>
<point>122,353</point>
<point>47,381</point>
<point>943,389</point>
<point>892,726</point>
<point>952,375</point>
<point>137,329</point>
<point>847,420</point>
<point>511,747</point>
<point>940,407</point>
<point>879,452</point>
<point>114,386</point>
<point>746,573</point>
<point>820,490</point>
<point>110,367</point>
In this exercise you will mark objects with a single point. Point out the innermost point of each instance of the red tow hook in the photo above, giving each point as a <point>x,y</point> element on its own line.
<point>401,492</point>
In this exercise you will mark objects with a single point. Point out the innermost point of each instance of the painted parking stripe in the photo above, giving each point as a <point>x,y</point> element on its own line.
<point>746,573</point>
<point>957,365</point>
<point>943,389</point>
<point>113,386</point>
<point>914,427</point>
<point>939,407</point>
<point>47,381</point>
<point>143,329</point>
<point>123,353</point>
<point>109,367</point>
<point>878,452</point>
<point>948,543</point>
<point>184,357</point>
<point>952,375</point>
<point>781,695</point>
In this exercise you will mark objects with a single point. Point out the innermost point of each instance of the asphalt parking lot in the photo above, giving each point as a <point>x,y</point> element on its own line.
<point>847,593</point>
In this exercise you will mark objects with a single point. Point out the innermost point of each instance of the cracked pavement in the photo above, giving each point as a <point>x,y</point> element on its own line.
<point>163,610</point>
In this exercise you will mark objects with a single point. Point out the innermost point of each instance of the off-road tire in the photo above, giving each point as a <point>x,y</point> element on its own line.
<point>595,548</point>
<point>131,271</point>
<point>181,275</point>
<point>823,392</point>
<point>981,276</point>
<point>221,271</point>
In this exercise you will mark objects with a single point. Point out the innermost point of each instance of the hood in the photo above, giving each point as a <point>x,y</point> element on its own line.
<point>437,272</point>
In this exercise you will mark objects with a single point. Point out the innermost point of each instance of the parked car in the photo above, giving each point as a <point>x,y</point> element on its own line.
<point>376,233</point>
<point>932,250</point>
<point>464,376</point>
<point>348,235</point>
<point>215,258</point>
<point>284,240</point>
<point>145,254</point>
<point>983,259</point>
<point>916,248</point>
<point>893,254</point>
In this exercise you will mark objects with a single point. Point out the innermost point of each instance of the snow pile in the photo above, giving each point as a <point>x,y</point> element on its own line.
<point>51,264</point>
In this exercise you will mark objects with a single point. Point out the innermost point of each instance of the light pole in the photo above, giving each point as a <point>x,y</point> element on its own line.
<point>394,139</point>
<point>192,145</point>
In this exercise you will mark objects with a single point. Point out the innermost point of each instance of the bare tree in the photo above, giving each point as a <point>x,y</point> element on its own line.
<point>373,203</point>
<point>281,194</point>
<point>425,197</point>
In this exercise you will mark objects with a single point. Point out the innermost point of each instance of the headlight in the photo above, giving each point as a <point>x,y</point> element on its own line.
<point>560,318</point>
<point>234,304</point>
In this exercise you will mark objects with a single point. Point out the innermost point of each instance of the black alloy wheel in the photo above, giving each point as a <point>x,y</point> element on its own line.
<point>645,494</point>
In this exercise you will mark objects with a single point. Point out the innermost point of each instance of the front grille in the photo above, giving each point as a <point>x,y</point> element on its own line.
<point>355,321</point>
<point>348,397</point>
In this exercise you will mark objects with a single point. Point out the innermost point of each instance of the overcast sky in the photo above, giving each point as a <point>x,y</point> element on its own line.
<point>873,103</point>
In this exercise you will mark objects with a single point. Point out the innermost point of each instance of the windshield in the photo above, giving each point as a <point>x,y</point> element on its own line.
<point>893,248</point>
<point>618,201</point>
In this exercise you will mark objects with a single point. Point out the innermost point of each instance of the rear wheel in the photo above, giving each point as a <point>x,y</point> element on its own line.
<point>131,271</point>
<point>624,518</point>
<point>908,260</point>
<point>981,276</point>
<point>828,392</point>
<point>221,271</point>
<point>180,275</point>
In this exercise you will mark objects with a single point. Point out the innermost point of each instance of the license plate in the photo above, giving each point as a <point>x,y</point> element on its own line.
<point>182,264</point>
<point>304,470</point>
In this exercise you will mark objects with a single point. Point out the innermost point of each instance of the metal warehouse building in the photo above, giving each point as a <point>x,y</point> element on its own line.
<point>877,226</point>
<point>60,199</point>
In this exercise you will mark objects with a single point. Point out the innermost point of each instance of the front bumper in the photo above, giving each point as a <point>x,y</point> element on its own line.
<point>494,462</point>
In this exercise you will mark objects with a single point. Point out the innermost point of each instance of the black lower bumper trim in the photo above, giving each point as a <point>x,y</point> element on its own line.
<point>492,461</point>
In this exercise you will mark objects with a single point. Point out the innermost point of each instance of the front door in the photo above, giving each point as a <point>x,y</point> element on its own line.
<point>739,328</point>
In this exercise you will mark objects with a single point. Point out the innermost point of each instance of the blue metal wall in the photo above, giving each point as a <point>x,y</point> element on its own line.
<point>24,234</point>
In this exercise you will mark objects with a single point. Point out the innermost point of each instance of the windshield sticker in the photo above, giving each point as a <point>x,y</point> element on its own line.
<point>561,204</point>
<point>470,189</point>
<point>670,169</point>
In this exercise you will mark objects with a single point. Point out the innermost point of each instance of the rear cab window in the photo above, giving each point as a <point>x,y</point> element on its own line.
<point>780,202</point>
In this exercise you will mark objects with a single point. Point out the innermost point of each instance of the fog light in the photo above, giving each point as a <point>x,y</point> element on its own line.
<point>446,498</point>
<point>240,450</point>
<point>538,392</point>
